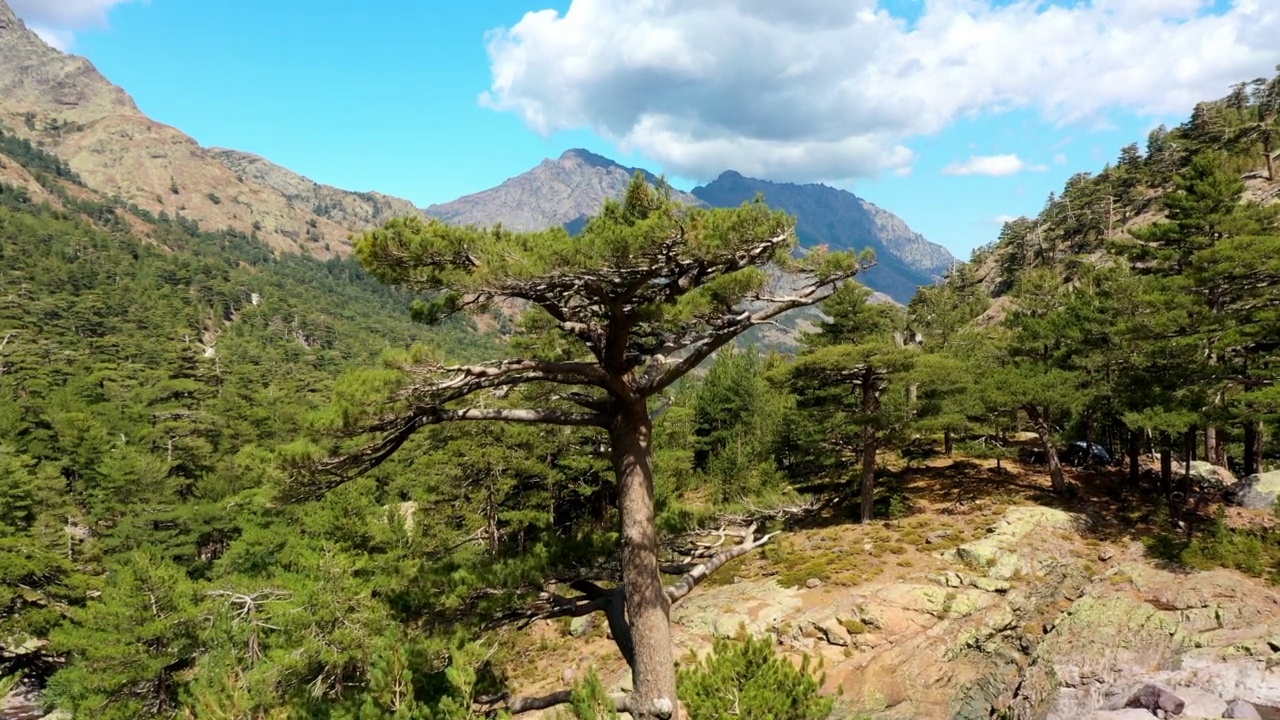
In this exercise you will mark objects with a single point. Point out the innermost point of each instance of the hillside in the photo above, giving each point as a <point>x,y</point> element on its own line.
<point>1098,217</point>
<point>63,104</point>
<point>905,260</point>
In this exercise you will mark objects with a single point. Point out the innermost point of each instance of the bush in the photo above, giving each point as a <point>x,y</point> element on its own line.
<point>745,680</point>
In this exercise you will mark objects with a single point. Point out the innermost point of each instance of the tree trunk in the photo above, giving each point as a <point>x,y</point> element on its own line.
<point>1184,483</point>
<point>1254,438</point>
<point>870,404</point>
<point>1043,430</point>
<point>654,672</point>
<point>1135,450</point>
<point>1211,445</point>
<point>1166,464</point>
<point>948,443</point>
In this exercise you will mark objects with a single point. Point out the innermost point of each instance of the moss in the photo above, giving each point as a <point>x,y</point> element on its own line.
<point>854,626</point>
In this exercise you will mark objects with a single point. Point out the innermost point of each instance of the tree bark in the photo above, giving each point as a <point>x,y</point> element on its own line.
<point>1135,450</point>
<point>1043,430</point>
<point>648,610</point>
<point>870,403</point>
<point>1211,444</point>
<point>1166,464</point>
<point>1254,439</point>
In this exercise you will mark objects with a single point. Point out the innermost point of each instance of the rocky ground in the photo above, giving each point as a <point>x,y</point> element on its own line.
<point>990,600</point>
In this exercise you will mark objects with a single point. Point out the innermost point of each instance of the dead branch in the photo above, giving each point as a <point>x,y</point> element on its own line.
<point>700,572</point>
<point>491,706</point>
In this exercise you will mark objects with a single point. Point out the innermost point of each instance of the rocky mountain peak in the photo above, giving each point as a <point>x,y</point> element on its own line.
<point>8,20</point>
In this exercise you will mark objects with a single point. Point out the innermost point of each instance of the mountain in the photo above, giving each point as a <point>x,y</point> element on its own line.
<point>841,220</point>
<point>565,191</point>
<point>62,104</point>
<point>355,210</point>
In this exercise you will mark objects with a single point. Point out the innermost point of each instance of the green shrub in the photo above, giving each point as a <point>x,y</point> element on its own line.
<point>745,680</point>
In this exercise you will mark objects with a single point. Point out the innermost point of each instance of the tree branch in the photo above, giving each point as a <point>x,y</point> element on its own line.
<point>691,579</point>
<point>397,430</point>
<point>667,372</point>
<point>516,705</point>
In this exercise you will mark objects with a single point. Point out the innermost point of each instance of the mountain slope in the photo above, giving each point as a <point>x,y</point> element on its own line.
<point>840,219</point>
<point>63,104</point>
<point>355,210</point>
<point>565,191</point>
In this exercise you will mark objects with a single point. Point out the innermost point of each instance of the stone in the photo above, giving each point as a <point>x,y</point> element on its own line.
<point>1274,644</point>
<point>1155,698</point>
<point>1206,474</point>
<point>991,585</point>
<point>1122,715</point>
<point>1241,709</point>
<point>812,583</point>
<point>580,626</point>
<point>833,632</point>
<point>936,537</point>
<point>1200,703</point>
<point>1258,492</point>
<point>950,579</point>
<point>1106,554</point>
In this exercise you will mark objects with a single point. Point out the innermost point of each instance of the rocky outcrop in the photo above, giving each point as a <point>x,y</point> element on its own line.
<point>1258,492</point>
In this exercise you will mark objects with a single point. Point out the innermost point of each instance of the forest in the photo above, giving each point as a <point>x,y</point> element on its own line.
<point>239,484</point>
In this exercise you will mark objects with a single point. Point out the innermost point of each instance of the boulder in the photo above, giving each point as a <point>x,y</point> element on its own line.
<point>582,625</point>
<point>1241,709</point>
<point>1206,474</point>
<point>1258,492</point>
<point>1199,703</point>
<point>1153,698</point>
<point>1130,714</point>
<point>833,632</point>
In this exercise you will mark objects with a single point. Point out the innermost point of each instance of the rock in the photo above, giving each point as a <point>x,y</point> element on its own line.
<point>812,583</point>
<point>1106,554</point>
<point>1206,474</point>
<point>1241,709</point>
<point>950,579</point>
<point>580,626</point>
<point>1199,703</point>
<point>1153,698</point>
<point>1121,715</point>
<point>833,632</point>
<point>991,585</point>
<point>568,675</point>
<point>936,537</point>
<point>1274,644</point>
<point>1258,492</point>
<point>994,553</point>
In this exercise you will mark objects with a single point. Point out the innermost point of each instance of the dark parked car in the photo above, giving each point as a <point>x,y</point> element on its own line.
<point>1082,454</point>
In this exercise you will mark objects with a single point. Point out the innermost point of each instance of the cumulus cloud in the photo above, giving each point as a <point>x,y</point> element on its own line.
<point>56,21</point>
<point>991,165</point>
<point>819,90</point>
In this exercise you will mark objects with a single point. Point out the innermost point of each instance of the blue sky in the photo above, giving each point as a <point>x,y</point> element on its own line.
<point>950,113</point>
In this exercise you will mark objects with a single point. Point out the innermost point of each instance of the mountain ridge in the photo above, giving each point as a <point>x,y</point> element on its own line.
<point>62,104</point>
<point>837,218</point>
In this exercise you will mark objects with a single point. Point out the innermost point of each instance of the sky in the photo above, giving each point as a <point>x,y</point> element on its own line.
<point>954,114</point>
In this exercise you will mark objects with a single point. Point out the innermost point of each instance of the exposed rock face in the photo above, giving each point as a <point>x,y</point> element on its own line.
<point>62,103</point>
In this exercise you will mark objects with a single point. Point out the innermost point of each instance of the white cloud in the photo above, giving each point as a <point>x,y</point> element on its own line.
<point>991,165</point>
<point>56,21</point>
<point>904,171</point>
<point>1060,159</point>
<point>821,90</point>
<point>1002,219</point>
